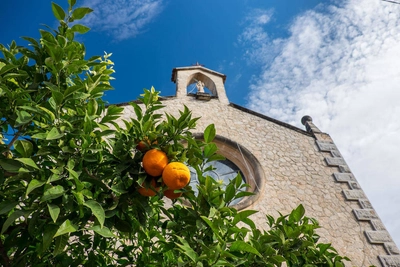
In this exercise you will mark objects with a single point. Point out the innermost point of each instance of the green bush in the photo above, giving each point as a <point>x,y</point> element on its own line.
<point>69,174</point>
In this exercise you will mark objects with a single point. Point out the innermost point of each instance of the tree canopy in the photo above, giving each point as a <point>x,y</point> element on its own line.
<point>71,176</point>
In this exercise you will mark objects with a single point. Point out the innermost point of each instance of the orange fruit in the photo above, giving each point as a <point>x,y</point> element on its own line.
<point>142,146</point>
<point>171,195</point>
<point>145,144</point>
<point>176,175</point>
<point>154,162</point>
<point>149,192</point>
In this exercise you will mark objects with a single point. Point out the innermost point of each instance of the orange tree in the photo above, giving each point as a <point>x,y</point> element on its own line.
<point>74,190</point>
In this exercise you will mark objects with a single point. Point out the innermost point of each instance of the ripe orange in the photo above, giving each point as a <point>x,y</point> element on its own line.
<point>154,162</point>
<point>145,144</point>
<point>142,146</point>
<point>171,195</point>
<point>149,192</point>
<point>176,175</point>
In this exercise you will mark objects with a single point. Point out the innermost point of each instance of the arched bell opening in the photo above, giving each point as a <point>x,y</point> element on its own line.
<point>200,83</point>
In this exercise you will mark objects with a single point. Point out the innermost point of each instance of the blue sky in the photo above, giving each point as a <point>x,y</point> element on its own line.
<point>337,61</point>
<point>166,34</point>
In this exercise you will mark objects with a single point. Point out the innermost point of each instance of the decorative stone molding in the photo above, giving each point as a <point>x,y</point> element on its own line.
<point>391,248</point>
<point>365,214</point>
<point>378,236</point>
<point>334,162</point>
<point>390,261</point>
<point>343,177</point>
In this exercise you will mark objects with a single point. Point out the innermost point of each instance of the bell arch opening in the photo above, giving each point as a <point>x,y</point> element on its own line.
<point>198,82</point>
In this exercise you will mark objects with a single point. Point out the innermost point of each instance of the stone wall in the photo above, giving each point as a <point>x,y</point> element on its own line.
<point>299,168</point>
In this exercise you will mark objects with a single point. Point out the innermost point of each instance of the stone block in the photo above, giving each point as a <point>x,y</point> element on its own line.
<point>335,161</point>
<point>378,237</point>
<point>326,146</point>
<point>354,185</point>
<point>365,204</point>
<point>343,177</point>
<point>391,248</point>
<point>365,214</point>
<point>390,261</point>
<point>344,168</point>
<point>353,194</point>
<point>336,154</point>
<point>378,225</point>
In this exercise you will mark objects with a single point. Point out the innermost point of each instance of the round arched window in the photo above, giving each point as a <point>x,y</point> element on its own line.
<point>238,160</point>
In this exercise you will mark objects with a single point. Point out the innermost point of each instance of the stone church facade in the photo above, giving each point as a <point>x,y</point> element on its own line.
<point>286,166</point>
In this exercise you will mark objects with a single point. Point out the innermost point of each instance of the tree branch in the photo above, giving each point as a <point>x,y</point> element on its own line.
<point>13,140</point>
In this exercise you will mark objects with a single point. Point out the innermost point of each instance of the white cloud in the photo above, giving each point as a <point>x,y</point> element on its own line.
<point>340,65</point>
<point>254,34</point>
<point>122,19</point>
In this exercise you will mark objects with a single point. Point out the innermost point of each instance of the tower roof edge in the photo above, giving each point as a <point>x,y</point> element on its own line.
<point>174,70</point>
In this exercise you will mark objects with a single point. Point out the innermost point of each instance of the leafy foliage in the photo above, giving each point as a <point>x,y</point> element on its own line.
<point>69,174</point>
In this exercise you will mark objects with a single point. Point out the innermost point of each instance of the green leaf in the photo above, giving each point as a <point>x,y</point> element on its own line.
<point>92,107</point>
<point>52,193</point>
<point>212,226</point>
<point>29,162</point>
<point>33,184</point>
<point>58,97</point>
<point>97,211</point>
<point>80,12</point>
<point>242,215</point>
<point>25,148</point>
<point>11,219</point>
<point>48,234</point>
<point>6,206</point>
<point>323,247</point>
<point>187,250</point>
<point>209,133</point>
<point>75,176</point>
<point>229,192</point>
<point>57,11</point>
<point>61,242</point>
<point>71,90</point>
<point>297,213</point>
<point>7,68</point>
<point>71,3</point>
<point>210,149</point>
<point>238,180</point>
<point>80,28</point>
<point>243,246</point>
<point>54,211</point>
<point>39,136</point>
<point>278,258</point>
<point>65,228</point>
<point>103,231</point>
<point>87,125</point>
<point>79,197</point>
<point>23,117</point>
<point>54,134</point>
<point>11,165</point>
<point>48,112</point>
<point>52,86</point>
